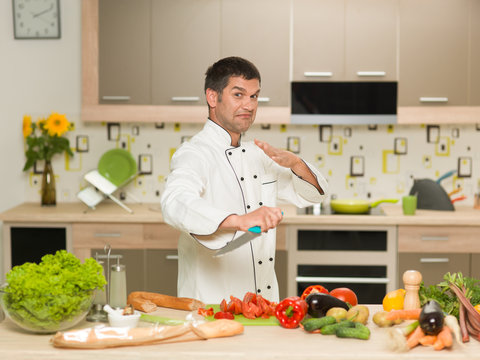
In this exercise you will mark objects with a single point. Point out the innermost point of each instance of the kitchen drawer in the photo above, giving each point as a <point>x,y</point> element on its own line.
<point>160,236</point>
<point>440,239</point>
<point>433,266</point>
<point>95,235</point>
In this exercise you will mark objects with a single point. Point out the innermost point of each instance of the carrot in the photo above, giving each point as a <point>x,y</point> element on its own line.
<point>414,338</point>
<point>439,345</point>
<point>445,335</point>
<point>411,314</point>
<point>428,340</point>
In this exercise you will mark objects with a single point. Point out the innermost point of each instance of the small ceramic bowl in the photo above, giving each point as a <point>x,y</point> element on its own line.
<point>120,320</point>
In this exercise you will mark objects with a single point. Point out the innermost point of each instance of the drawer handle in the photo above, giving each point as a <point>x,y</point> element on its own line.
<point>263,99</point>
<point>116,98</point>
<point>185,98</point>
<point>371,73</point>
<point>352,280</point>
<point>434,99</point>
<point>434,238</point>
<point>434,260</point>
<point>103,235</point>
<point>171,257</point>
<point>318,74</point>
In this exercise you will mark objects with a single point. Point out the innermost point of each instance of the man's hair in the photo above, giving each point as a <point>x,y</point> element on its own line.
<point>218,75</point>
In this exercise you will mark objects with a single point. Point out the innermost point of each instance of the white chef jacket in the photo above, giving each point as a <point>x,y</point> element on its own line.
<point>210,179</point>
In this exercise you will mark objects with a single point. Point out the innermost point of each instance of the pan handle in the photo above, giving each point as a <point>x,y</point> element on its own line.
<point>446,175</point>
<point>375,203</point>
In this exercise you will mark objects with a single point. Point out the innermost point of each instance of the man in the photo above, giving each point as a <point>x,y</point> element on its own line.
<point>219,187</point>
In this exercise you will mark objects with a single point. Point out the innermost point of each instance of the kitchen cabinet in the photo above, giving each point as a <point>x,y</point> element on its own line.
<point>124,48</point>
<point>185,41</point>
<point>474,63</point>
<point>344,40</point>
<point>435,250</point>
<point>433,49</point>
<point>263,39</point>
<point>475,266</point>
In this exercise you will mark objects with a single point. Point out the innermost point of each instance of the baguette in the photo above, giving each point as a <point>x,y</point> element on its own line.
<point>148,301</point>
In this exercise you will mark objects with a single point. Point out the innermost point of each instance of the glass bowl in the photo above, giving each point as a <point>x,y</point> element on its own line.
<point>47,313</point>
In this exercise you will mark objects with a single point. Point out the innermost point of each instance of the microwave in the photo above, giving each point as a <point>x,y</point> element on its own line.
<point>344,103</point>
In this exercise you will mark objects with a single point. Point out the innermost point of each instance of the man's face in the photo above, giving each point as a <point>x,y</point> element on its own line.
<point>236,109</point>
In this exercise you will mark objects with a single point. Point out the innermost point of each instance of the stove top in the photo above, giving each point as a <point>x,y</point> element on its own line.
<point>326,210</point>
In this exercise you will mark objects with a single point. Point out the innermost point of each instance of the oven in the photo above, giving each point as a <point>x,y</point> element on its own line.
<point>360,257</point>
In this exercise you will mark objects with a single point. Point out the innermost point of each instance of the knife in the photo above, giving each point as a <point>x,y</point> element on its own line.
<point>251,234</point>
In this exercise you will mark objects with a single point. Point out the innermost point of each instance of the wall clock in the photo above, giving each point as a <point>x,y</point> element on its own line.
<point>36,19</point>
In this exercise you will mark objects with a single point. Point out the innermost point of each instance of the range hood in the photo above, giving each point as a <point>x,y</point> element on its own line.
<point>344,103</point>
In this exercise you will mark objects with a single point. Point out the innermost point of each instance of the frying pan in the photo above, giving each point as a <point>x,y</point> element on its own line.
<point>356,206</point>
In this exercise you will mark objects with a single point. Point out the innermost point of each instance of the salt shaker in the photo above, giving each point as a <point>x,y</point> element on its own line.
<point>412,280</point>
<point>118,286</point>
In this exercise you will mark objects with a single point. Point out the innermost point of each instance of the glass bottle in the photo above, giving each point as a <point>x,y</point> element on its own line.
<point>48,185</point>
<point>118,286</point>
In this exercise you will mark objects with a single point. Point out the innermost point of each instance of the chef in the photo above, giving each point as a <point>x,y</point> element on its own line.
<point>220,186</point>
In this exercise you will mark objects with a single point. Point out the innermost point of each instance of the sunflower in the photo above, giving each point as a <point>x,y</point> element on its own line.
<point>57,124</point>
<point>27,125</point>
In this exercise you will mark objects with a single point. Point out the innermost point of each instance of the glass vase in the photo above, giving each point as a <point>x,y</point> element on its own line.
<point>49,196</point>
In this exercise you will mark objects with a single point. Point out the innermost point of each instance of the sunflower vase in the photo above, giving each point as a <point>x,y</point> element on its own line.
<point>48,192</point>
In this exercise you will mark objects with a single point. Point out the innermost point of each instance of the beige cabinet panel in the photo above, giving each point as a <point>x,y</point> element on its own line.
<point>161,271</point>
<point>371,40</point>
<point>475,266</point>
<point>433,52</point>
<point>124,52</point>
<point>474,76</point>
<point>318,40</point>
<point>185,41</point>
<point>432,266</point>
<point>263,39</point>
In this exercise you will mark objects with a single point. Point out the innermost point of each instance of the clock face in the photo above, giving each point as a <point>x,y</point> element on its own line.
<point>36,19</point>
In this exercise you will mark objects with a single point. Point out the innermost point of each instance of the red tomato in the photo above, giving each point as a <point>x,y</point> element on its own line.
<point>345,294</point>
<point>313,289</point>
<point>223,315</point>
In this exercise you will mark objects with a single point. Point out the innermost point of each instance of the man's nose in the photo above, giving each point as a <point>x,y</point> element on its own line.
<point>250,103</point>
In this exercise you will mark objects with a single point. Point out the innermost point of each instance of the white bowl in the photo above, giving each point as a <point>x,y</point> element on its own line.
<point>119,320</point>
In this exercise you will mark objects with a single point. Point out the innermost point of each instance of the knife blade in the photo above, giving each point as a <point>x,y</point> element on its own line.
<point>251,234</point>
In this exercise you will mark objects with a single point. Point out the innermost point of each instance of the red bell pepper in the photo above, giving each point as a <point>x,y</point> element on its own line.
<point>291,311</point>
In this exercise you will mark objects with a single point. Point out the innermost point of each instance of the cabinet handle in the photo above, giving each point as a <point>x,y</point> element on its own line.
<point>434,99</point>
<point>434,238</point>
<point>171,257</point>
<point>116,98</point>
<point>263,99</point>
<point>371,73</point>
<point>352,280</point>
<point>185,98</point>
<point>107,235</point>
<point>318,74</point>
<point>434,260</point>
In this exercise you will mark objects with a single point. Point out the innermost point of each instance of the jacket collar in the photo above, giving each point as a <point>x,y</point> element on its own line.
<point>219,135</point>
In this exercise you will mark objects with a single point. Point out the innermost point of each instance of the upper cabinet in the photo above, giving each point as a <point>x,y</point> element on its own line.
<point>474,64</point>
<point>344,40</point>
<point>263,39</point>
<point>185,41</point>
<point>124,52</point>
<point>433,52</point>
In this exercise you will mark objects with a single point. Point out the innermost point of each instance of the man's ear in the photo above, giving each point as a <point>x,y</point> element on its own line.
<point>211,97</point>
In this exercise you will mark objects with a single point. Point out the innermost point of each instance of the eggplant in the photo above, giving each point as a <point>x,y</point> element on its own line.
<point>431,318</point>
<point>319,303</point>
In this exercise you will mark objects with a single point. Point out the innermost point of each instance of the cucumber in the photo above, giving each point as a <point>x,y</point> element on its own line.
<point>332,329</point>
<point>360,331</point>
<point>317,323</point>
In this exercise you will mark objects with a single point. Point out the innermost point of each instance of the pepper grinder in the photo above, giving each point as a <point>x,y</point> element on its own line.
<point>118,286</point>
<point>412,280</point>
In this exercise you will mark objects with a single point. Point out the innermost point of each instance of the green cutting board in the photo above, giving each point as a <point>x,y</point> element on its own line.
<point>271,321</point>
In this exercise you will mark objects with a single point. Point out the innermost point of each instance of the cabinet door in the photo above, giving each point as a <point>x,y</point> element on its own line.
<point>433,52</point>
<point>318,40</point>
<point>185,42</point>
<point>371,39</point>
<point>124,52</point>
<point>263,39</point>
<point>474,75</point>
<point>432,266</point>
<point>475,266</point>
<point>161,271</point>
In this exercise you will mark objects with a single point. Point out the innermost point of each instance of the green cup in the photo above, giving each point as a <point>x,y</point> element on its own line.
<point>409,204</point>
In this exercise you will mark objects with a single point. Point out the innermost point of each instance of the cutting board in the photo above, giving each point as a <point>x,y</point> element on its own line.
<point>271,321</point>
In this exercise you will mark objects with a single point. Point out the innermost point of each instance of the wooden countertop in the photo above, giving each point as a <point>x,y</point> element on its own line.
<point>109,212</point>
<point>257,342</point>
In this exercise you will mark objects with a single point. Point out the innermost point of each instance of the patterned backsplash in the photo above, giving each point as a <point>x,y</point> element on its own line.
<point>366,162</point>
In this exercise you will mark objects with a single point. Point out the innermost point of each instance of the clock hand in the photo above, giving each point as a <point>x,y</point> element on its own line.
<point>43,12</point>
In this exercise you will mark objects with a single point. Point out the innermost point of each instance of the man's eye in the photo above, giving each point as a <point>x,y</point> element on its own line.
<point>237,94</point>
<point>254,96</point>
